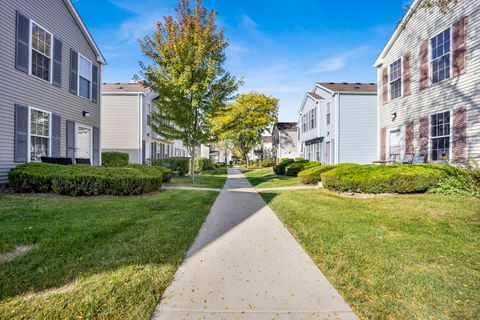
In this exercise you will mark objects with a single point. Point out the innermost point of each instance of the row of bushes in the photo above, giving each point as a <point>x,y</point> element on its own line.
<point>183,164</point>
<point>84,180</point>
<point>291,167</point>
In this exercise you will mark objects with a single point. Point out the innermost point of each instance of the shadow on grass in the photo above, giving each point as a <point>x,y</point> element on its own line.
<point>81,237</point>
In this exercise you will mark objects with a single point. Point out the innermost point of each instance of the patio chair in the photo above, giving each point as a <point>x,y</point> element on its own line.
<point>63,161</point>
<point>48,160</point>
<point>82,161</point>
<point>419,159</point>
<point>408,158</point>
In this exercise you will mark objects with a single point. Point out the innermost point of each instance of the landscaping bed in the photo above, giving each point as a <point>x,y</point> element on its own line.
<point>84,180</point>
<point>394,257</point>
<point>94,258</point>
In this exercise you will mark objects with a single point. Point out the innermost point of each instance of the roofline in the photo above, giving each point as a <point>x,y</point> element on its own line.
<point>343,92</point>
<point>317,84</point>
<point>311,96</point>
<point>73,10</point>
<point>397,32</point>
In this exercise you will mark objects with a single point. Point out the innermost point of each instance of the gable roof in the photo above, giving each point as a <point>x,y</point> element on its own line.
<point>348,87</point>
<point>400,26</point>
<point>315,96</point>
<point>136,87</point>
<point>86,33</point>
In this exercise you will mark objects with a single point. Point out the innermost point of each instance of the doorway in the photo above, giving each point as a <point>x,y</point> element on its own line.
<point>83,148</point>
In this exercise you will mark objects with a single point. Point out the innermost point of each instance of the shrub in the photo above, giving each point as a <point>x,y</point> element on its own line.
<point>381,179</point>
<point>294,168</point>
<point>174,164</point>
<point>311,164</point>
<point>202,164</point>
<point>220,164</point>
<point>84,180</point>
<point>266,163</point>
<point>165,173</point>
<point>312,175</point>
<point>115,159</point>
<point>280,168</point>
<point>453,185</point>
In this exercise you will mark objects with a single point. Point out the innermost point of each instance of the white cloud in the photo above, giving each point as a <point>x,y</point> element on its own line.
<point>337,62</point>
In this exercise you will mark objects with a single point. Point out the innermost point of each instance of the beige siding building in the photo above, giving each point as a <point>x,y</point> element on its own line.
<point>126,109</point>
<point>429,92</point>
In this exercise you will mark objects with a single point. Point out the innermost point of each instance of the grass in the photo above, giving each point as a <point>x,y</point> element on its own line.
<point>266,178</point>
<point>396,257</point>
<point>94,258</point>
<point>214,178</point>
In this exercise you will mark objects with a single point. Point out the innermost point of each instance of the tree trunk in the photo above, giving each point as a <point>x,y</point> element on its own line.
<point>192,165</point>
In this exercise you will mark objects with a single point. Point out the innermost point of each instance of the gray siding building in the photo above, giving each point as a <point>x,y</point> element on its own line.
<point>429,101</point>
<point>49,90</point>
<point>338,123</point>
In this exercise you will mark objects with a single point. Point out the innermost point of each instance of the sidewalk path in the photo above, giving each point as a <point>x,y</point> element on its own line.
<point>244,264</point>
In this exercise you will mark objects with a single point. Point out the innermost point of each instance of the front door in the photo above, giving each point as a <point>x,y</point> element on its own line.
<point>84,142</point>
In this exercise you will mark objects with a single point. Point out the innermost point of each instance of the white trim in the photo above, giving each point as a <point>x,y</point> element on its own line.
<point>390,80</point>
<point>86,126</point>
<point>30,48</point>
<point>78,77</point>
<point>29,140</point>
<point>400,128</point>
<point>78,19</point>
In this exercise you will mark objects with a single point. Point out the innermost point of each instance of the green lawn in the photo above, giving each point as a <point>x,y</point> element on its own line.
<point>396,257</point>
<point>94,258</point>
<point>266,178</point>
<point>214,178</point>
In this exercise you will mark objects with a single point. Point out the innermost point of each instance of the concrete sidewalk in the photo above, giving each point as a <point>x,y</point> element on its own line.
<point>244,264</point>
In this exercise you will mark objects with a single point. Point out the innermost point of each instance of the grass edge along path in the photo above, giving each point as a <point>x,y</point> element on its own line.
<point>266,178</point>
<point>101,257</point>
<point>396,257</point>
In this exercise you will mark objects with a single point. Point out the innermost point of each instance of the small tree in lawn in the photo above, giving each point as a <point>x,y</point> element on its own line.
<point>243,121</point>
<point>187,55</point>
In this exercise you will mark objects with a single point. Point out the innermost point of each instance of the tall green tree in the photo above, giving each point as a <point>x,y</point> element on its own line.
<point>186,69</point>
<point>243,121</point>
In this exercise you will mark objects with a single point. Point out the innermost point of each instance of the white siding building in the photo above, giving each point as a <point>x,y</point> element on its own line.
<point>337,123</point>
<point>125,123</point>
<point>429,97</point>
<point>284,140</point>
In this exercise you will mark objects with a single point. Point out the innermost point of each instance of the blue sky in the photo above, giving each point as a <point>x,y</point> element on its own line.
<point>279,47</point>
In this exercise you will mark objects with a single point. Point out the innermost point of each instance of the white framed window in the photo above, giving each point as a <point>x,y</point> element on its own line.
<point>40,134</point>
<point>328,112</point>
<point>440,129</point>
<point>304,123</point>
<point>149,112</point>
<point>84,77</point>
<point>41,42</point>
<point>396,79</point>
<point>313,118</point>
<point>441,56</point>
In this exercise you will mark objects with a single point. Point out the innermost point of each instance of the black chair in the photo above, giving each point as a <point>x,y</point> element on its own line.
<point>408,158</point>
<point>64,161</point>
<point>82,161</point>
<point>419,159</point>
<point>48,160</point>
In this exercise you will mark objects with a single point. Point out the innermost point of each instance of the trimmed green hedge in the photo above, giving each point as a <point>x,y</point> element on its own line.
<point>165,172</point>
<point>114,159</point>
<point>313,175</point>
<point>174,164</point>
<point>311,164</point>
<point>84,180</point>
<point>280,168</point>
<point>386,179</point>
<point>266,163</point>
<point>294,168</point>
<point>202,164</point>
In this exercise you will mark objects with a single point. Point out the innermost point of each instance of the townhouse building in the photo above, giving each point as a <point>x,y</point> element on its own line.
<point>49,91</point>
<point>284,140</point>
<point>429,93</point>
<point>126,127</point>
<point>337,123</point>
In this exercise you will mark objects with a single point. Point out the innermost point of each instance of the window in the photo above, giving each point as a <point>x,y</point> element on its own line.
<point>441,56</point>
<point>440,136</point>
<point>84,77</point>
<point>313,118</point>
<point>328,113</point>
<point>304,123</point>
<point>396,79</point>
<point>149,111</point>
<point>39,134</point>
<point>41,49</point>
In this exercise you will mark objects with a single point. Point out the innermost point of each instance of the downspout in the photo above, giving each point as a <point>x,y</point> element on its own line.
<point>140,125</point>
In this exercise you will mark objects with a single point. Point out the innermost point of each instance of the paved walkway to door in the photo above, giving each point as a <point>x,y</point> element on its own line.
<point>244,264</point>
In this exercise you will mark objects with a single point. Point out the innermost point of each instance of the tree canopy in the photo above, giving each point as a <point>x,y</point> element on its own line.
<point>186,69</point>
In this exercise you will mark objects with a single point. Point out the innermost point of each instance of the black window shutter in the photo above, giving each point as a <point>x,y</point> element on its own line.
<point>56,124</point>
<point>57,62</point>
<point>21,134</point>
<point>22,41</point>
<point>96,146</point>
<point>70,139</point>
<point>73,71</point>
<point>94,83</point>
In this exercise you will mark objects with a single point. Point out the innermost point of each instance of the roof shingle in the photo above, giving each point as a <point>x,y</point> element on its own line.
<point>349,87</point>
